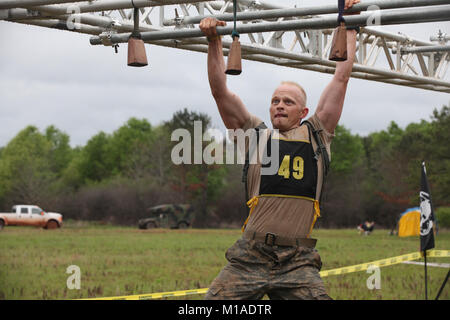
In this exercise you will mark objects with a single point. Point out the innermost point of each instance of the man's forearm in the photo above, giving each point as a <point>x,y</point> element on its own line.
<point>233,112</point>
<point>331,101</point>
<point>216,68</point>
<point>344,68</point>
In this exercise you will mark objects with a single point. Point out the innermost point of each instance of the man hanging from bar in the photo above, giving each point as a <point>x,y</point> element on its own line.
<point>275,255</point>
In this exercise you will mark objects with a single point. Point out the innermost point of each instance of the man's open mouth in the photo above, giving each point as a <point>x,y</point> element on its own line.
<point>280,115</point>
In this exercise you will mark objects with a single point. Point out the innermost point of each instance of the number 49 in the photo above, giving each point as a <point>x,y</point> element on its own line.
<point>297,167</point>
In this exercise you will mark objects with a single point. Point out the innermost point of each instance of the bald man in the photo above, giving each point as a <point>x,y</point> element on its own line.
<point>276,255</point>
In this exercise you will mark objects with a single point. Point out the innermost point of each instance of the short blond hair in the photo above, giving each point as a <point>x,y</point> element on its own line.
<point>296,85</point>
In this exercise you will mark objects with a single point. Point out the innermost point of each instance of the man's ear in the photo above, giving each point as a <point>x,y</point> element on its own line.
<point>305,112</point>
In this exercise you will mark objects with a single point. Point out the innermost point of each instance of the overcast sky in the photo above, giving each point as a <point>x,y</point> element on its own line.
<point>56,77</point>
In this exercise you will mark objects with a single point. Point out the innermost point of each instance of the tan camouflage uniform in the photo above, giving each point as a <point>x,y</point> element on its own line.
<point>256,269</point>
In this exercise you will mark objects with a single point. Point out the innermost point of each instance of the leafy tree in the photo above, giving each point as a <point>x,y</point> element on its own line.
<point>199,183</point>
<point>60,150</point>
<point>130,137</point>
<point>25,169</point>
<point>347,151</point>
<point>439,155</point>
<point>95,161</point>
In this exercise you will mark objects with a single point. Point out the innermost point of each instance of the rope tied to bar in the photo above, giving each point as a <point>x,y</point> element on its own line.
<point>341,6</point>
<point>234,33</point>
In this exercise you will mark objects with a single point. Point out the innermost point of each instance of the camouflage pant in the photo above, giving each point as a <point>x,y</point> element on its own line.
<point>256,269</point>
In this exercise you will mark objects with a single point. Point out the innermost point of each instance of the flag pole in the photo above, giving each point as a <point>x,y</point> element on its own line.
<point>426,221</point>
<point>425,263</point>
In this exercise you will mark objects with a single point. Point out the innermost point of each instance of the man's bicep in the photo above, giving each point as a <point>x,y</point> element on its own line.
<point>232,110</point>
<point>331,102</point>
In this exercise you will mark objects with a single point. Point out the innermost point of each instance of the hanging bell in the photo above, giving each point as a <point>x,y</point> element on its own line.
<point>234,64</point>
<point>338,50</point>
<point>136,52</point>
<point>136,47</point>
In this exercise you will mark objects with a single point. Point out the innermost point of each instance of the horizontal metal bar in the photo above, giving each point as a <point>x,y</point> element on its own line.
<point>396,37</point>
<point>306,11</point>
<point>404,16</point>
<point>63,25</point>
<point>105,5</point>
<point>193,44</point>
<point>9,4</point>
<point>445,48</point>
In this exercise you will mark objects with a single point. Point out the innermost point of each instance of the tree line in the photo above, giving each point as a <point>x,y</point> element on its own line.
<point>116,177</point>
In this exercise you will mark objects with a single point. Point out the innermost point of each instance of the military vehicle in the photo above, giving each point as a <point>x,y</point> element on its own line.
<point>174,216</point>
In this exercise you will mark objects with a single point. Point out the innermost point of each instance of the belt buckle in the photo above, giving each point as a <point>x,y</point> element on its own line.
<point>271,235</point>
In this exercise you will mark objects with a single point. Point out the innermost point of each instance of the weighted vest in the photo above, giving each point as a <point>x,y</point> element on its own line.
<point>298,172</point>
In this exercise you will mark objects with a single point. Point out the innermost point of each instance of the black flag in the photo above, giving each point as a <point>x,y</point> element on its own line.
<point>426,214</point>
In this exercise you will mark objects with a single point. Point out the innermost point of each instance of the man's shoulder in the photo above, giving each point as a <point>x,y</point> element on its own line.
<point>318,126</point>
<point>252,122</point>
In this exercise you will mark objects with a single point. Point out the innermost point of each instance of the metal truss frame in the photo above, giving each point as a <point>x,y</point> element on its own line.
<point>381,56</point>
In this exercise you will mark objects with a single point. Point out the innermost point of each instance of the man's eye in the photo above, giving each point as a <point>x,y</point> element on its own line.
<point>275,101</point>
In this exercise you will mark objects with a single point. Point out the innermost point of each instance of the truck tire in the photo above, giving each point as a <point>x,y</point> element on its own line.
<point>150,225</point>
<point>52,224</point>
<point>2,224</point>
<point>183,225</point>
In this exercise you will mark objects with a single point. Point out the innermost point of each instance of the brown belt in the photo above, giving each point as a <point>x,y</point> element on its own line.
<point>272,239</point>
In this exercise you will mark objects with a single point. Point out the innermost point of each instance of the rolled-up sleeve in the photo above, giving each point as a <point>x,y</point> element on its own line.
<point>326,136</point>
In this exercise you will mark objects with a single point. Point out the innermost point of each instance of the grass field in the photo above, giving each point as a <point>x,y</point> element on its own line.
<point>124,261</point>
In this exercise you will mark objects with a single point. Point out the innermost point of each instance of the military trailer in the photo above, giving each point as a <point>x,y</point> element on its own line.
<point>174,216</point>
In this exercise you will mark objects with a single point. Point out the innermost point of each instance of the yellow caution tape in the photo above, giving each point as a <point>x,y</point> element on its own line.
<point>159,295</point>
<point>359,267</point>
<point>385,262</point>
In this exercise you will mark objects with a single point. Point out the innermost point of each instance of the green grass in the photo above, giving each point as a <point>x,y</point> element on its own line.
<point>124,261</point>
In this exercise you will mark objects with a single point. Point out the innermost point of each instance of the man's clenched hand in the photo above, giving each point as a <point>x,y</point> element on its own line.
<point>208,26</point>
<point>349,3</point>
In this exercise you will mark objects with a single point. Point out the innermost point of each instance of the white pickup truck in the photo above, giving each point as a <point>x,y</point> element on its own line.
<point>27,215</point>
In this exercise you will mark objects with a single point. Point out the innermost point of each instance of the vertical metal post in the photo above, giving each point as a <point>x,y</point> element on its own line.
<point>161,16</point>
<point>319,43</point>
<point>260,38</point>
<point>431,65</point>
<point>399,57</point>
<point>361,48</point>
<point>275,40</point>
<point>201,8</point>
<point>314,42</point>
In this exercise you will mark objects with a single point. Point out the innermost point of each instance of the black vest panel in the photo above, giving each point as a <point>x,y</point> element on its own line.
<point>297,173</point>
